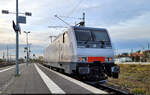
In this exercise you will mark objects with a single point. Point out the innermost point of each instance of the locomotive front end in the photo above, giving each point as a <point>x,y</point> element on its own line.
<point>95,56</point>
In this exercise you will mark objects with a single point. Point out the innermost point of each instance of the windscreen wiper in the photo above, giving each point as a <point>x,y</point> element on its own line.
<point>87,40</point>
<point>102,42</point>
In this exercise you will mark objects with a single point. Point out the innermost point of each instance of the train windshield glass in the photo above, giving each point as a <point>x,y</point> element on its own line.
<point>100,36</point>
<point>83,35</point>
<point>92,39</point>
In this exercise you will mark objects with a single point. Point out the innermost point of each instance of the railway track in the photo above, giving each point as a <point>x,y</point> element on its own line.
<point>6,64</point>
<point>111,89</point>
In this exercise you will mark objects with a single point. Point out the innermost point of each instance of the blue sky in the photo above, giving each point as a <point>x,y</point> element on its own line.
<point>127,21</point>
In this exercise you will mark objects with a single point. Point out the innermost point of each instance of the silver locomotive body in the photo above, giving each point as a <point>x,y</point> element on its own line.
<point>83,51</point>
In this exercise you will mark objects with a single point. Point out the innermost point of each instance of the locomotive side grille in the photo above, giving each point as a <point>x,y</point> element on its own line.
<point>84,70</point>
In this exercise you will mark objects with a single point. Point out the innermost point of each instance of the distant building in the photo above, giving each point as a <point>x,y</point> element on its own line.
<point>123,59</point>
<point>146,55</point>
<point>138,56</point>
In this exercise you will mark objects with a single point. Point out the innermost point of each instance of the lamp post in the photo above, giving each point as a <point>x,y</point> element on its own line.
<point>17,36</point>
<point>29,50</point>
<point>51,38</point>
<point>27,46</point>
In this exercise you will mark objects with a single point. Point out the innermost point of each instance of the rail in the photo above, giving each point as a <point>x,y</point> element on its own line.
<point>111,89</point>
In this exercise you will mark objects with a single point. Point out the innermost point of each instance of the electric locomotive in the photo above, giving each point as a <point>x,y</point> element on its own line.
<point>85,52</point>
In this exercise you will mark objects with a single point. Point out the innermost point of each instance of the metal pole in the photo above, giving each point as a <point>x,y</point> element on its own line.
<point>84,18</point>
<point>27,58</point>
<point>27,47</point>
<point>7,54</point>
<point>51,38</point>
<point>29,52</point>
<point>3,55</point>
<point>17,40</point>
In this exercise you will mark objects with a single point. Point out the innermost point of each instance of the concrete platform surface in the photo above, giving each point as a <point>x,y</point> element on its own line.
<point>37,79</point>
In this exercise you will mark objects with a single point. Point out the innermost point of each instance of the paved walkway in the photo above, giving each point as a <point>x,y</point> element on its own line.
<point>35,78</point>
<point>28,82</point>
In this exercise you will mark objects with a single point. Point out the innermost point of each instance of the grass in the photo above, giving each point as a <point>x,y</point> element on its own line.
<point>136,77</point>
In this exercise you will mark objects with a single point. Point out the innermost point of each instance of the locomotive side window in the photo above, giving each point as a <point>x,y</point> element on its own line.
<point>64,38</point>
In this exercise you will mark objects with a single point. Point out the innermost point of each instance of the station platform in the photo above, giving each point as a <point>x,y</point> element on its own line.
<point>37,79</point>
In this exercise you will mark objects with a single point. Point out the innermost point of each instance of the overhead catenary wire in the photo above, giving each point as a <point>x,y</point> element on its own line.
<point>77,5</point>
<point>75,8</point>
<point>62,20</point>
<point>70,17</point>
<point>57,27</point>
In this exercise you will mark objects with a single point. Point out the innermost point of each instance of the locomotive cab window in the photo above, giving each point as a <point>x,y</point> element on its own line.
<point>100,36</point>
<point>92,39</point>
<point>83,35</point>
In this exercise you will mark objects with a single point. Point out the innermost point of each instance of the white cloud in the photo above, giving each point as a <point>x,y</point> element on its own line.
<point>129,23</point>
<point>136,28</point>
<point>90,6</point>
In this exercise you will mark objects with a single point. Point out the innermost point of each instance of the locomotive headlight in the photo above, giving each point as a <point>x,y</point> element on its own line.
<point>108,59</point>
<point>82,59</point>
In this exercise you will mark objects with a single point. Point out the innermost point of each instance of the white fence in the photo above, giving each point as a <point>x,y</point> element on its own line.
<point>133,63</point>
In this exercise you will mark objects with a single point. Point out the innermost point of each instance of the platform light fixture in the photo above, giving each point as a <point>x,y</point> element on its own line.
<point>17,35</point>
<point>5,12</point>
<point>28,14</point>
